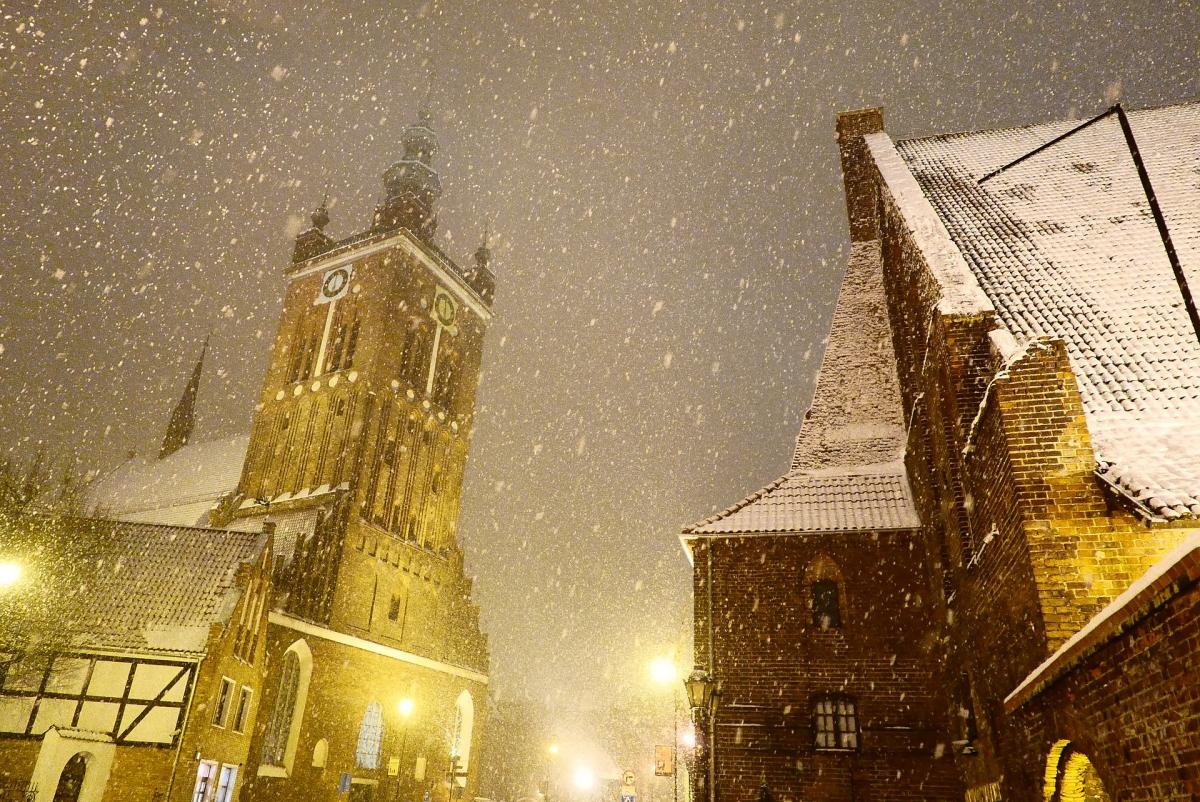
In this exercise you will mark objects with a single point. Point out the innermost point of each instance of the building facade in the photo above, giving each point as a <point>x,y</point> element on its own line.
<point>1048,381</point>
<point>155,662</point>
<point>376,667</point>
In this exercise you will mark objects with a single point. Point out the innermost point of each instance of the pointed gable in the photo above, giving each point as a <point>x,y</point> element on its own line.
<point>847,471</point>
<point>855,417</point>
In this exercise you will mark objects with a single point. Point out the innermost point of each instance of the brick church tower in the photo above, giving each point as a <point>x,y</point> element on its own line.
<point>375,658</point>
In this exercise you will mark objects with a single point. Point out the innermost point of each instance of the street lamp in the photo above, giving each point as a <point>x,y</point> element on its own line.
<point>405,709</point>
<point>664,672</point>
<point>10,574</point>
<point>702,692</point>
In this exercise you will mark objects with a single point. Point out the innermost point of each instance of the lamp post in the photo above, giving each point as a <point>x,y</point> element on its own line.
<point>404,708</point>
<point>702,692</point>
<point>664,672</point>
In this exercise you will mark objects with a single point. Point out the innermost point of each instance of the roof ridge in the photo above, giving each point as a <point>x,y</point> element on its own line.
<point>1028,126</point>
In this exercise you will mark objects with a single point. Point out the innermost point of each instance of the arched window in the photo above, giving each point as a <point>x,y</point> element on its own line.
<point>826,593</point>
<point>370,738</point>
<point>283,727</point>
<point>70,782</point>
<point>460,744</point>
<point>1071,777</point>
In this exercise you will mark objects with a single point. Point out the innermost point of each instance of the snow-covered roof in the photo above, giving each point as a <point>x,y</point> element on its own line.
<point>1180,565</point>
<point>847,472</point>
<point>874,497</point>
<point>158,588</point>
<point>180,489</point>
<point>1064,246</point>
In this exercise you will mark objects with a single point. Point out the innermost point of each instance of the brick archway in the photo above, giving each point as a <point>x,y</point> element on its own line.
<point>1071,777</point>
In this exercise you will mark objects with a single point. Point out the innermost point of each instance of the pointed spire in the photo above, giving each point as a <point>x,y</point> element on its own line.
<point>483,255</point>
<point>183,418</point>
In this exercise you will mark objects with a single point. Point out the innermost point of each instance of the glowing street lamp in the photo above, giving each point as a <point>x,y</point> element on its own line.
<point>585,778</point>
<point>663,671</point>
<point>405,707</point>
<point>552,749</point>
<point>10,574</point>
<point>688,738</point>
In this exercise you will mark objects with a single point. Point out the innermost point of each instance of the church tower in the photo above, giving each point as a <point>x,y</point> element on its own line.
<point>361,431</point>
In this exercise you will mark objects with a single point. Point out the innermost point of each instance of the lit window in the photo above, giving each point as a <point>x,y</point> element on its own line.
<point>221,711</point>
<point>370,738</point>
<point>226,784</point>
<point>243,710</point>
<point>204,778</point>
<point>826,613</point>
<point>835,723</point>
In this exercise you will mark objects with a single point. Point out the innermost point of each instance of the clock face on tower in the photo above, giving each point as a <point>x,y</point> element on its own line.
<point>443,310</point>
<point>334,285</point>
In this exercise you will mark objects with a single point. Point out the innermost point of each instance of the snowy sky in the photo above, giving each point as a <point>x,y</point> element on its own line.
<point>664,185</point>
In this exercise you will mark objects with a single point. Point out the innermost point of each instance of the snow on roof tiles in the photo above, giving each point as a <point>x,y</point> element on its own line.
<point>180,489</point>
<point>159,588</point>
<point>1064,246</point>
<point>854,499</point>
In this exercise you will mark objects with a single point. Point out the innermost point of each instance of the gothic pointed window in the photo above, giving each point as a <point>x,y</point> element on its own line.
<point>283,727</point>
<point>370,738</point>
<point>461,733</point>
<point>826,613</point>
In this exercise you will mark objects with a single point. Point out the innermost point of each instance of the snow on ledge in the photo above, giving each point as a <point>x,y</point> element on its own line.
<point>1183,560</point>
<point>960,290</point>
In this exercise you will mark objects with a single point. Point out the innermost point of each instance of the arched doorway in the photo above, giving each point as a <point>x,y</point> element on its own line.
<point>70,782</point>
<point>1071,777</point>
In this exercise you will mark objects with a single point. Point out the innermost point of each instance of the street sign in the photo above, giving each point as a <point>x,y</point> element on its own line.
<point>664,761</point>
<point>344,783</point>
<point>627,778</point>
<point>628,797</point>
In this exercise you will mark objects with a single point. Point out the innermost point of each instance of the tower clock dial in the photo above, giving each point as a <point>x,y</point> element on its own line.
<point>334,284</point>
<point>444,310</point>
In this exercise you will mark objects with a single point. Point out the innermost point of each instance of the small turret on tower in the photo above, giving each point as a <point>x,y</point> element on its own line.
<point>411,185</point>
<point>313,241</point>
<point>481,278</point>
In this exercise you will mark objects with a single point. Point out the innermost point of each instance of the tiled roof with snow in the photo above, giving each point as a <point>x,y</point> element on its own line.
<point>158,588</point>
<point>862,498</point>
<point>180,489</point>
<point>1064,246</point>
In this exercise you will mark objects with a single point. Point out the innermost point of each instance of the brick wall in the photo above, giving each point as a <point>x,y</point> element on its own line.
<point>772,660</point>
<point>1019,533</point>
<point>337,699</point>
<point>1133,708</point>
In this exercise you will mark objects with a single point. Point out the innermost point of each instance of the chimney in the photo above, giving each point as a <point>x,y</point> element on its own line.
<point>852,126</point>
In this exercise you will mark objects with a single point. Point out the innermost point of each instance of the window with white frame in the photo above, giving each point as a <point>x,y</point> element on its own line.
<point>224,696</point>
<point>835,723</point>
<point>282,731</point>
<point>205,774</point>
<point>226,783</point>
<point>242,710</point>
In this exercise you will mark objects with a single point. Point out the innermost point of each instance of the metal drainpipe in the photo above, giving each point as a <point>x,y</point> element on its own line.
<point>712,675</point>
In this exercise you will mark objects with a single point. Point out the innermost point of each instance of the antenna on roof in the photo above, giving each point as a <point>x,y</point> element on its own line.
<point>1148,188</point>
